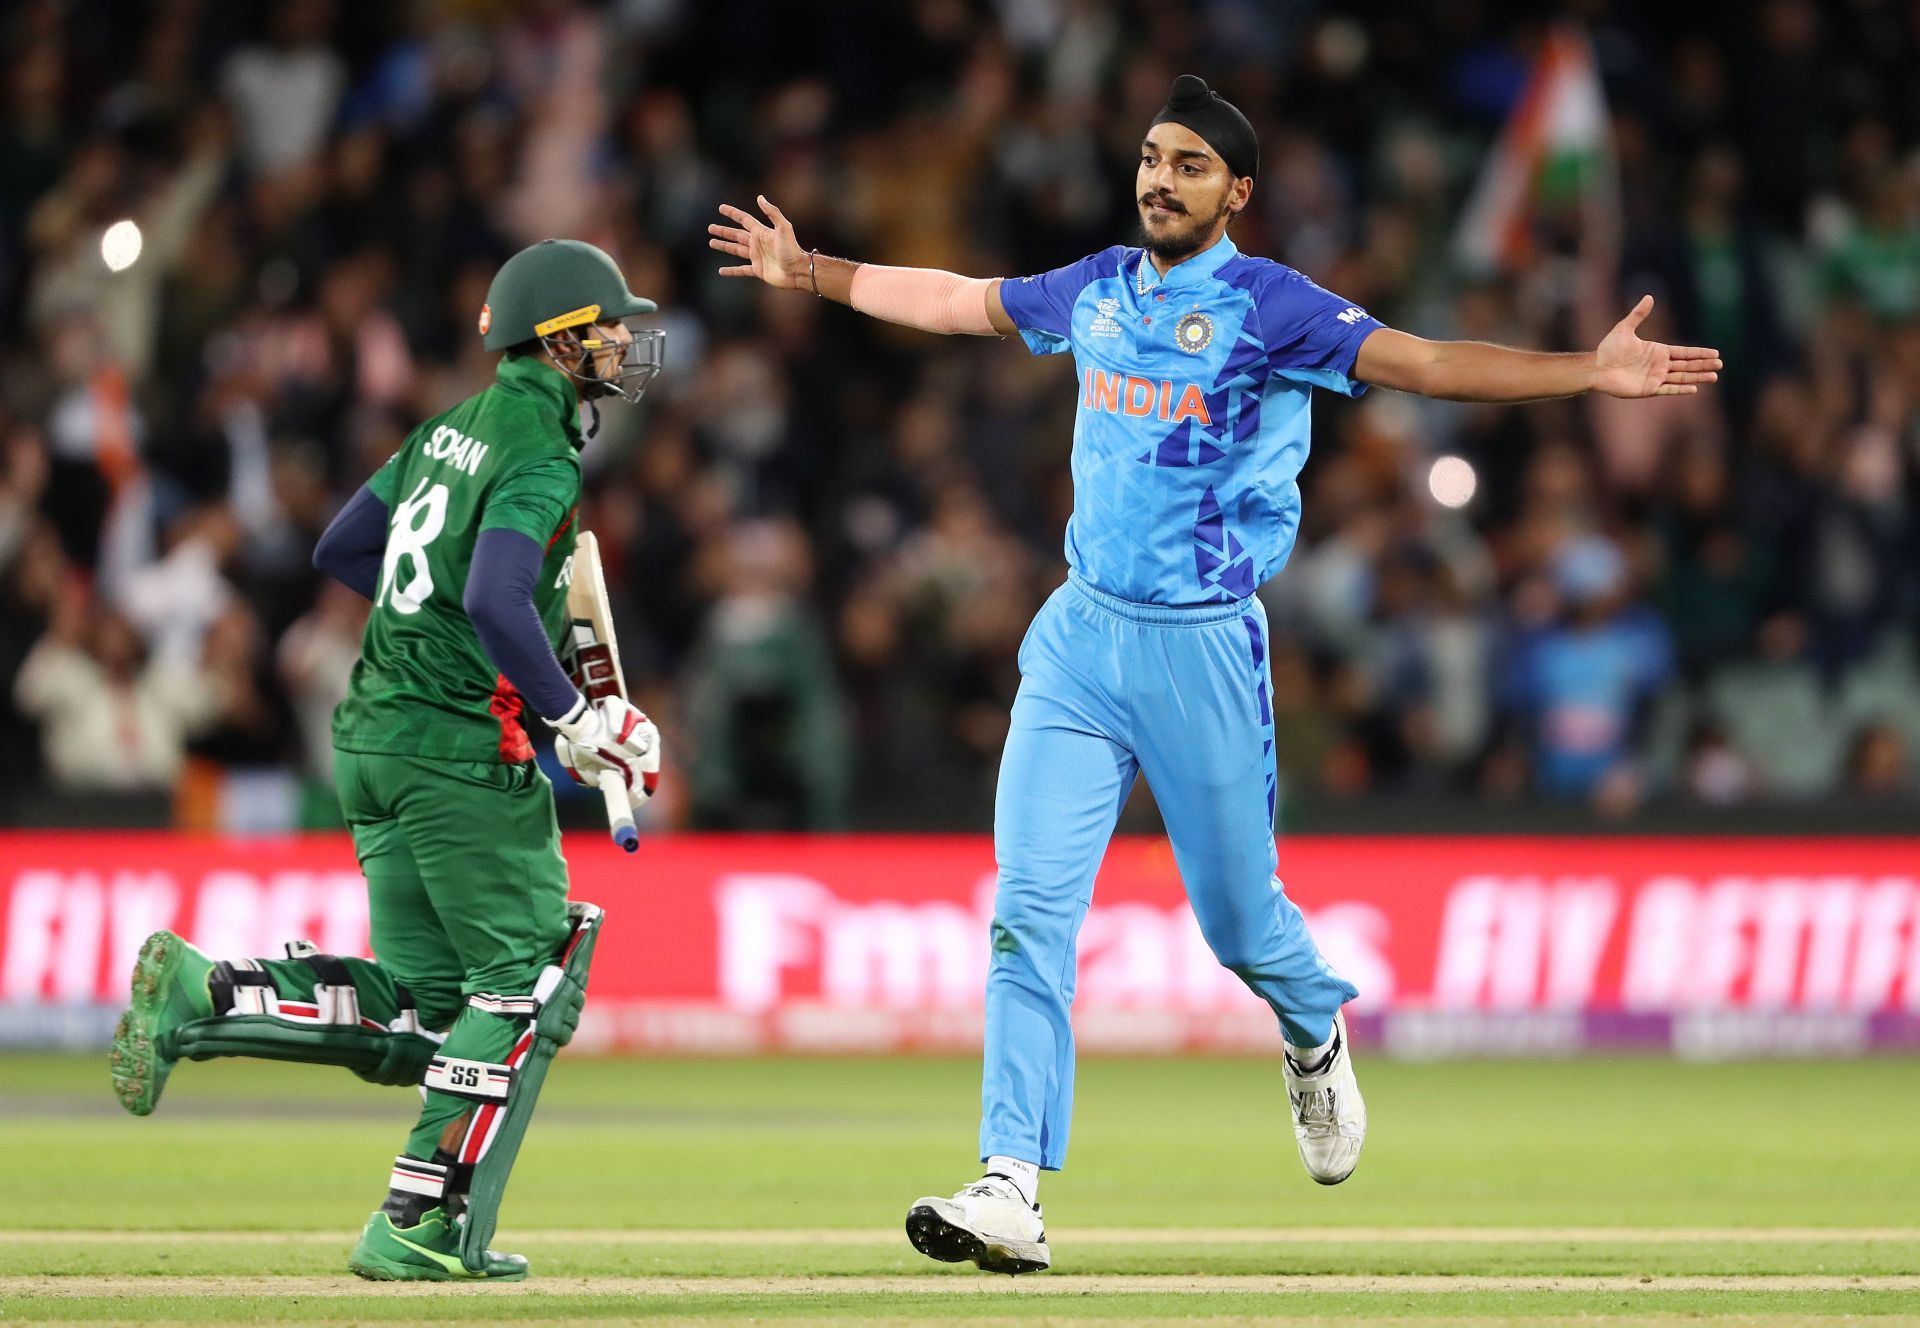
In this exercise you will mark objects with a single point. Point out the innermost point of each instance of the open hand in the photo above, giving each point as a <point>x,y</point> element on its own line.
<point>1626,366</point>
<point>771,251</point>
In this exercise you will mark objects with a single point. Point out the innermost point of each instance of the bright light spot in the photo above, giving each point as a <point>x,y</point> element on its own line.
<point>1452,481</point>
<point>120,246</point>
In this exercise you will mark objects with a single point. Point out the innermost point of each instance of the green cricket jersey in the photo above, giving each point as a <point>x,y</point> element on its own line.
<point>508,457</point>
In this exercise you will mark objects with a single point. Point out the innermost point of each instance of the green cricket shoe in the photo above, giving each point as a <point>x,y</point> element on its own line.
<point>169,989</point>
<point>428,1252</point>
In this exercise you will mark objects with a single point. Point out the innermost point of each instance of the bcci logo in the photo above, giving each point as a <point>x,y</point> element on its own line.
<point>1193,333</point>
<point>486,318</point>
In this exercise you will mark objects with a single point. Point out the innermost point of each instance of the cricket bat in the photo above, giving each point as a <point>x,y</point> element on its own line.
<point>596,663</point>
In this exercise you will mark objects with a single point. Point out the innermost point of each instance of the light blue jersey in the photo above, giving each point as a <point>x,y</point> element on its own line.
<point>1193,417</point>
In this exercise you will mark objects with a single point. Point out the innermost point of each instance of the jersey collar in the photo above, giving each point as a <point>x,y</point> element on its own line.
<point>1189,273</point>
<point>524,375</point>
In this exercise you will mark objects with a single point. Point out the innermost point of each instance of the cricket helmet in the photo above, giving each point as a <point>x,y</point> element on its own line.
<point>559,286</point>
<point>552,286</point>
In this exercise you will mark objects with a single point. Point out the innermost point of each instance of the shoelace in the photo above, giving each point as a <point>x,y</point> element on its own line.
<point>1316,1112</point>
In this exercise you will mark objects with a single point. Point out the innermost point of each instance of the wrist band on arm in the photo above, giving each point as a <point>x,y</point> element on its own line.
<point>813,278</point>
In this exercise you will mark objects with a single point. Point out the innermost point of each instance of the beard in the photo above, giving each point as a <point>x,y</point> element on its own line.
<point>1180,236</point>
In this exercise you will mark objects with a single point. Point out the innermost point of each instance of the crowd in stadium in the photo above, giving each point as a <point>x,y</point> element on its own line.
<point>826,536</point>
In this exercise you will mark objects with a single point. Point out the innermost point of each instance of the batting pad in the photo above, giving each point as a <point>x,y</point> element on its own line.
<point>504,1094</point>
<point>335,1026</point>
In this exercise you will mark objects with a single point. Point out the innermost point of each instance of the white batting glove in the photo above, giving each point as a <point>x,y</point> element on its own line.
<point>609,734</point>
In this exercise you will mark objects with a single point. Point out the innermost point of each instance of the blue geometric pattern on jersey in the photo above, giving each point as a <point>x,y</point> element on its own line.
<point>1193,412</point>
<point>1259,649</point>
<point>1219,558</point>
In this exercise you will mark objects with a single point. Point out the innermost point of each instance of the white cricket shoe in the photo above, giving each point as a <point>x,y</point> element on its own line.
<point>988,1223</point>
<point>1329,1116</point>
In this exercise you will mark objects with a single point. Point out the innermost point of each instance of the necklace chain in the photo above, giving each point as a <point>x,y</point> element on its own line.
<point>1140,276</point>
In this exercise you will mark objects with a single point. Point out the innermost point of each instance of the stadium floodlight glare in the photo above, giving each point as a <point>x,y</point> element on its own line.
<point>120,245</point>
<point>1451,481</point>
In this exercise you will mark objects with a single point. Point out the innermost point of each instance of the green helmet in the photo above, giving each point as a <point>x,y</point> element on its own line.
<point>551,286</point>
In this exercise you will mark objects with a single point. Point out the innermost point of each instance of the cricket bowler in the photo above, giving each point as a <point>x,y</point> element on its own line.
<point>464,543</point>
<point>1196,363</point>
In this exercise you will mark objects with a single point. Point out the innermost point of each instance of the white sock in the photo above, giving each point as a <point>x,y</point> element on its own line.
<point>1024,1175</point>
<point>1308,1058</point>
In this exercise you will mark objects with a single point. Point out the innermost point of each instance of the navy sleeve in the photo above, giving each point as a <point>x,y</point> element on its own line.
<point>499,604</point>
<point>1312,335</point>
<point>354,543</point>
<point>1042,306</point>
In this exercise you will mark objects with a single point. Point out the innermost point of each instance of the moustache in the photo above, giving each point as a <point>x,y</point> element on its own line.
<point>1171,204</point>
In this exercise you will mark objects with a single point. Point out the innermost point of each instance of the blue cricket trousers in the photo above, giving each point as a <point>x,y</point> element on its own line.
<point>1111,690</point>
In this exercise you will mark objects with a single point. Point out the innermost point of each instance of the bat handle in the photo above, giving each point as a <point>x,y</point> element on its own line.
<point>613,791</point>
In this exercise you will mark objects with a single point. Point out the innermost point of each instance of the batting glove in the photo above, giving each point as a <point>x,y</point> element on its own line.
<point>609,734</point>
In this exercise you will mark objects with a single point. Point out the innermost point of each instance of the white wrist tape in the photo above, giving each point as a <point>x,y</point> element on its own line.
<point>576,714</point>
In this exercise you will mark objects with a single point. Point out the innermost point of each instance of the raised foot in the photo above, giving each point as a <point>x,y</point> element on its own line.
<point>1329,1115</point>
<point>138,1068</point>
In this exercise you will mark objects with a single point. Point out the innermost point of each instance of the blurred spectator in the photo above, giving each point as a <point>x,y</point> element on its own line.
<point>763,711</point>
<point>1718,575</point>
<point>1878,764</point>
<point>315,660</point>
<point>237,778</point>
<point>121,308</point>
<point>36,577</point>
<point>175,599</point>
<point>1305,732</point>
<point>1582,684</point>
<point>1775,709</point>
<point>283,91</point>
<point>1862,547</point>
<point>1714,270</point>
<point>23,484</point>
<point>1876,258</point>
<point>110,717</point>
<point>1715,773</point>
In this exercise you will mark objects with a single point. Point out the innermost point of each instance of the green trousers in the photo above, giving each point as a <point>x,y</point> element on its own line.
<point>467,895</point>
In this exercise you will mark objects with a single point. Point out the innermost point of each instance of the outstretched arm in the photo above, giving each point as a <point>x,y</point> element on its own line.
<point>926,298</point>
<point>1621,366</point>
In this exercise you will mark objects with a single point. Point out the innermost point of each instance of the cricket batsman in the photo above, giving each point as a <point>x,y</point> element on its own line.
<point>1195,364</point>
<point>464,542</point>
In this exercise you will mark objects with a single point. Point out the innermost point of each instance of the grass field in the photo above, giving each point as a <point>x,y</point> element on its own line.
<point>772,1191</point>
